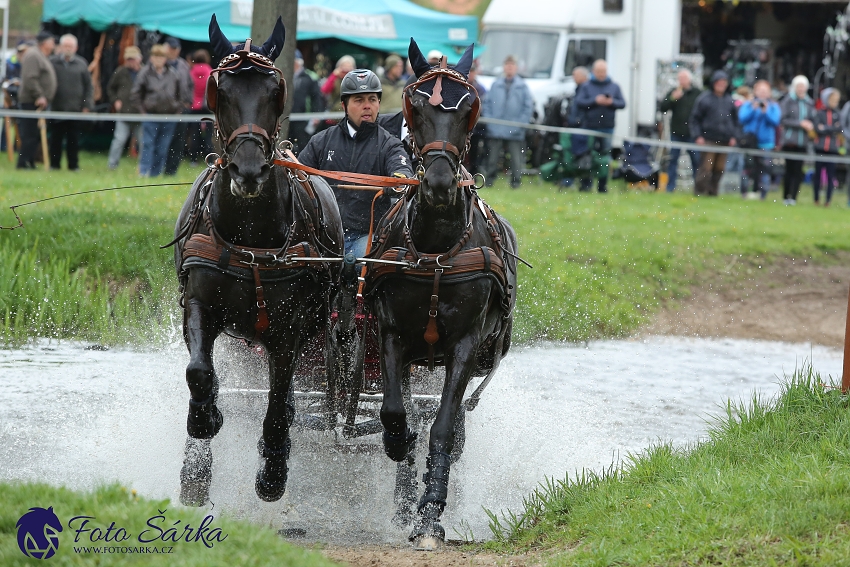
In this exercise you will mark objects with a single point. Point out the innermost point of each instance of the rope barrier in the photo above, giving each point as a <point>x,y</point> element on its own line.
<point>306,116</point>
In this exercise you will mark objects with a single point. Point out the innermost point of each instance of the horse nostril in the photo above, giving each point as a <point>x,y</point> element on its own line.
<point>234,170</point>
<point>264,172</point>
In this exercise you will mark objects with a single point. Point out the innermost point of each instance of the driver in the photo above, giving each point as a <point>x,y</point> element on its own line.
<point>359,145</point>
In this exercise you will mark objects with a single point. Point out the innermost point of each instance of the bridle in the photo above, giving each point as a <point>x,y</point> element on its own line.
<point>440,148</point>
<point>246,132</point>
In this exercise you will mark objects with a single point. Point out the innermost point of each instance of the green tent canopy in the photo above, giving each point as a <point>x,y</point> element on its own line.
<point>384,25</point>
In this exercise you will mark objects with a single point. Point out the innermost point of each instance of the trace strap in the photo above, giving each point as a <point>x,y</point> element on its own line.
<point>376,180</point>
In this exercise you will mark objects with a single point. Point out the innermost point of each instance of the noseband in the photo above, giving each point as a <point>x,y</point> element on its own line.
<point>440,148</point>
<point>245,59</point>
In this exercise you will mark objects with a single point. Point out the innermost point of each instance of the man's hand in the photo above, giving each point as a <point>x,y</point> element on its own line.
<point>700,141</point>
<point>41,102</point>
<point>603,100</point>
<point>677,94</point>
<point>807,125</point>
<point>85,110</point>
<point>117,105</point>
<point>733,142</point>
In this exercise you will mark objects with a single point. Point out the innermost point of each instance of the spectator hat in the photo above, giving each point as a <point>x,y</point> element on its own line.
<point>434,54</point>
<point>132,52</point>
<point>827,92</point>
<point>391,61</point>
<point>160,50</point>
<point>298,55</point>
<point>44,36</point>
<point>172,42</point>
<point>719,76</point>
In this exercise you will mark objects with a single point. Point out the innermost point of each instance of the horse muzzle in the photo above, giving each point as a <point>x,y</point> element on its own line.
<point>248,186</point>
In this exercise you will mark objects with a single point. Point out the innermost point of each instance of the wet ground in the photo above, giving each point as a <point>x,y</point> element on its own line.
<point>80,417</point>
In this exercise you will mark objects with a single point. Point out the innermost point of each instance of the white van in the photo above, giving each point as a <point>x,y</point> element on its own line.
<point>551,37</point>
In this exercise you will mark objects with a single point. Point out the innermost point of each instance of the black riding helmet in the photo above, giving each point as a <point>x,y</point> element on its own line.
<point>360,81</point>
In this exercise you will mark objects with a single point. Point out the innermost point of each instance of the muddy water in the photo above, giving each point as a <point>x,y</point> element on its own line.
<point>80,417</point>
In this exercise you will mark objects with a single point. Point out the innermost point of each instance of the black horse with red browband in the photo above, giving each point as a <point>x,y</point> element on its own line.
<point>244,244</point>
<point>455,308</point>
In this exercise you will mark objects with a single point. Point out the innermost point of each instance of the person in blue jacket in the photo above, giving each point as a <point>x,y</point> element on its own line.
<point>599,99</point>
<point>760,117</point>
<point>509,99</point>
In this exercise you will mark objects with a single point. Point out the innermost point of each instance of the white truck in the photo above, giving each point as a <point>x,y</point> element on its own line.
<point>551,37</point>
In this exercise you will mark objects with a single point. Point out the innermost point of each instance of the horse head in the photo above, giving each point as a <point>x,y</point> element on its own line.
<point>247,95</point>
<point>441,108</point>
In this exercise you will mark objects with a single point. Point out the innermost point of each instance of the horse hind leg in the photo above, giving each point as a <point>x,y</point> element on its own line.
<point>406,483</point>
<point>399,439</point>
<point>204,419</point>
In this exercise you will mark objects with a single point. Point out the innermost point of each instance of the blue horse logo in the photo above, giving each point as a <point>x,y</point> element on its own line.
<point>38,533</point>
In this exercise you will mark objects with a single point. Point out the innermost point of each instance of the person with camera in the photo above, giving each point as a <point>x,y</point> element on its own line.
<point>679,102</point>
<point>759,118</point>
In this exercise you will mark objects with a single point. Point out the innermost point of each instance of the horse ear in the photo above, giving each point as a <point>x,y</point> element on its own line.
<point>274,44</point>
<point>417,61</point>
<point>220,44</point>
<point>465,63</point>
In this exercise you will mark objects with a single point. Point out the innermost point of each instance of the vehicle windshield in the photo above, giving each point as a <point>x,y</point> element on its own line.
<point>534,52</point>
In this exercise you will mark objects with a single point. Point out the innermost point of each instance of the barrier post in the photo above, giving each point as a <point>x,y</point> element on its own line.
<point>845,376</point>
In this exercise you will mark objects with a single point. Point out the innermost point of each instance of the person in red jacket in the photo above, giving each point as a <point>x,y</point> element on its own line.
<point>200,133</point>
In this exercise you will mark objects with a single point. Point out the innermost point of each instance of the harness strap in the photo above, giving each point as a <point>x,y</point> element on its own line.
<point>262,315</point>
<point>250,130</point>
<point>431,333</point>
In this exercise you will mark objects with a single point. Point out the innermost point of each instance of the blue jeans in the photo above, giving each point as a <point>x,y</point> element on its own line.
<point>156,137</point>
<point>355,242</point>
<point>673,166</point>
<point>123,131</point>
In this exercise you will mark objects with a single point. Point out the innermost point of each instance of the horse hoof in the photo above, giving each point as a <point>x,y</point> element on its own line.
<point>397,447</point>
<point>428,543</point>
<point>204,420</point>
<point>428,535</point>
<point>196,474</point>
<point>269,488</point>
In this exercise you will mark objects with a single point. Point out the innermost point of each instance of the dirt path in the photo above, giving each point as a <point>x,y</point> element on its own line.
<point>390,556</point>
<point>787,300</point>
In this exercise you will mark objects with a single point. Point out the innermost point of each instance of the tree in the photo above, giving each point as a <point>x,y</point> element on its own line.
<point>262,22</point>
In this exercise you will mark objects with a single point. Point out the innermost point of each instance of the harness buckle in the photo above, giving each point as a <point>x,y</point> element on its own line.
<point>439,264</point>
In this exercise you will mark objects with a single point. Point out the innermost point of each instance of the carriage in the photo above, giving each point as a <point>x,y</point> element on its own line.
<point>258,252</point>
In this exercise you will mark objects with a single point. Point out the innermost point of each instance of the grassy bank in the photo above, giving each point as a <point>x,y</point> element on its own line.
<point>242,544</point>
<point>90,266</point>
<point>770,487</point>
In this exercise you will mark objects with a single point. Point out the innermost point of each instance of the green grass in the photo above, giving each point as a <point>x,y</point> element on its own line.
<point>90,266</point>
<point>770,487</point>
<point>603,263</point>
<point>245,544</point>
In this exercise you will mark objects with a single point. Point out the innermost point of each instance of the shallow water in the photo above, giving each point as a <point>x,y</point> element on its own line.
<point>82,417</point>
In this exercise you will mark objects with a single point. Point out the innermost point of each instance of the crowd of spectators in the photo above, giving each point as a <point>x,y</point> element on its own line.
<point>53,76</point>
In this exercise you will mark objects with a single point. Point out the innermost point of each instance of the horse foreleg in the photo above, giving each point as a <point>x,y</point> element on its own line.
<point>276,444</point>
<point>399,440</point>
<point>427,533</point>
<point>204,419</point>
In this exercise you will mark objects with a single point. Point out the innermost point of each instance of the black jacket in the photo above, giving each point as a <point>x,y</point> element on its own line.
<point>714,118</point>
<point>597,116</point>
<point>681,111</point>
<point>74,87</point>
<point>306,96</point>
<point>372,151</point>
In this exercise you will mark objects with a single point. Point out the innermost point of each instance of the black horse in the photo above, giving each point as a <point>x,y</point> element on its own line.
<point>454,308</point>
<point>244,244</point>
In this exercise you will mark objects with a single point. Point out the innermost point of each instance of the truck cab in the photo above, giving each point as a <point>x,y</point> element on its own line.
<point>549,38</point>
